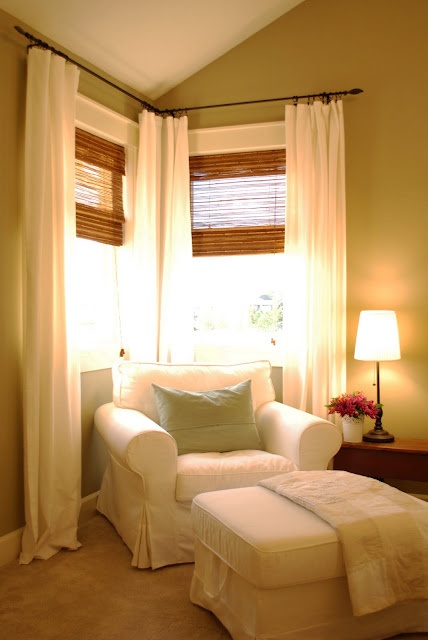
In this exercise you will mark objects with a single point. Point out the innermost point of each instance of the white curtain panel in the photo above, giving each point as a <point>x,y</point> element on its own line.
<point>157,307</point>
<point>52,428</point>
<point>315,248</point>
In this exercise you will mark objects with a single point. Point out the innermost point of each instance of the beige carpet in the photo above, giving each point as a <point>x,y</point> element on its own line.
<point>95,594</point>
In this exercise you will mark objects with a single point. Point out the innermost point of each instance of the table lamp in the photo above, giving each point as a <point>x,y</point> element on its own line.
<point>377,339</point>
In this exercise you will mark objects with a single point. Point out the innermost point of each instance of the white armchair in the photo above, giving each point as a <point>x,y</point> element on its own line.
<point>147,488</point>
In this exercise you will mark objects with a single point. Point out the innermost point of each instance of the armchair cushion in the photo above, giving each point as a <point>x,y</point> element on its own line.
<point>214,420</point>
<point>203,472</point>
<point>132,381</point>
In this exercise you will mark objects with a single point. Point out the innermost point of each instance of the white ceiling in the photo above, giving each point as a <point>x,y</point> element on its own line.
<point>150,45</point>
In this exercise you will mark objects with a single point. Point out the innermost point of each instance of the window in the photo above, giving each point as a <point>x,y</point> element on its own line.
<point>105,147</point>
<point>100,330</point>
<point>238,307</point>
<point>238,222</point>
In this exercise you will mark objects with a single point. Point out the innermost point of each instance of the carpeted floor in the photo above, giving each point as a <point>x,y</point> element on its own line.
<point>95,594</point>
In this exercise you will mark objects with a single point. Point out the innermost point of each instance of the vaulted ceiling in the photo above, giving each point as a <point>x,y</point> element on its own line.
<point>149,45</point>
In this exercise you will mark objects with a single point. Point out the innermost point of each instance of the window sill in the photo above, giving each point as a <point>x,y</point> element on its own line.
<point>233,354</point>
<point>98,358</point>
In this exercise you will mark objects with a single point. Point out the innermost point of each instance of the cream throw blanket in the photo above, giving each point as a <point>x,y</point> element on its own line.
<point>383,533</point>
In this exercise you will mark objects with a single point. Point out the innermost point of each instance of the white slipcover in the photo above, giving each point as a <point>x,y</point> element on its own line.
<point>147,489</point>
<point>284,581</point>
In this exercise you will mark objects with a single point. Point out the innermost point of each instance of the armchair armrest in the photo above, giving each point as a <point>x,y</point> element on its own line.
<point>138,443</point>
<point>138,490</point>
<point>307,440</point>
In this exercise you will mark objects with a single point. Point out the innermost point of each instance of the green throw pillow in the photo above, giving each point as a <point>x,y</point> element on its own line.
<point>214,420</point>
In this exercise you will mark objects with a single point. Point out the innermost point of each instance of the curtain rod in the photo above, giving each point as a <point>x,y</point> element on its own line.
<point>327,95</point>
<point>45,45</point>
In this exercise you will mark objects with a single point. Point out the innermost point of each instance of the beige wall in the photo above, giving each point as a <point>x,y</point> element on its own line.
<point>378,45</point>
<point>12,69</point>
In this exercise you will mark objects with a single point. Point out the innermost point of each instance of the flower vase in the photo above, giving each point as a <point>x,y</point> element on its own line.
<point>352,428</point>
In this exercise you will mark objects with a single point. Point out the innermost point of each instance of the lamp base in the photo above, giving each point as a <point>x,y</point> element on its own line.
<point>378,435</point>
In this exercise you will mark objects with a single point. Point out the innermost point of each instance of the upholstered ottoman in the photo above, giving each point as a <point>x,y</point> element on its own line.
<point>270,569</point>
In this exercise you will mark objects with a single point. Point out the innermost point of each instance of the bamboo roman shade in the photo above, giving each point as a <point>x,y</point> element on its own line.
<point>238,203</point>
<point>100,166</point>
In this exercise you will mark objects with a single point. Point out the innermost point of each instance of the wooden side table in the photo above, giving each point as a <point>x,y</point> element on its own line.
<point>403,459</point>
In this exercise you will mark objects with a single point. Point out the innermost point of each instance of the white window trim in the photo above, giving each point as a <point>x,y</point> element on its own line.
<point>104,122</point>
<point>247,137</point>
<point>112,126</point>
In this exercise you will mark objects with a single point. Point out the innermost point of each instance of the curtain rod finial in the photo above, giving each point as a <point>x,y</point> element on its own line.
<point>355,91</point>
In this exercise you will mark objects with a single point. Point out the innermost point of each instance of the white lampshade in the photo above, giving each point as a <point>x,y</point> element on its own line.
<point>377,336</point>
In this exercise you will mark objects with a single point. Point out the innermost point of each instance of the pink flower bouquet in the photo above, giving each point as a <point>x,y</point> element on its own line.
<point>353,405</point>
